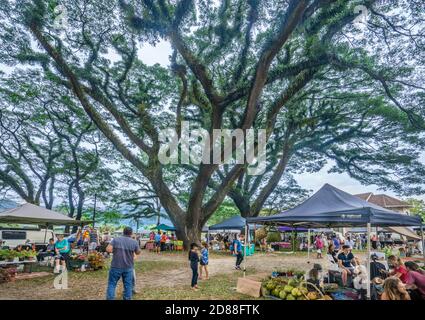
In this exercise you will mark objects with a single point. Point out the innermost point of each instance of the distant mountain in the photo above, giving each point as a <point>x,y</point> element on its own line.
<point>148,221</point>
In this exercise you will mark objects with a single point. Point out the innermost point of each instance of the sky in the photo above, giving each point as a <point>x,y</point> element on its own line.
<point>312,181</point>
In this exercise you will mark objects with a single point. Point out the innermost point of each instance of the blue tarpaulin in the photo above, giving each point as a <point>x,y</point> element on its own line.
<point>332,207</point>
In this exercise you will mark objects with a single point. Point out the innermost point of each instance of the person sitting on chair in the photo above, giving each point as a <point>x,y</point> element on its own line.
<point>48,251</point>
<point>62,249</point>
<point>377,269</point>
<point>346,262</point>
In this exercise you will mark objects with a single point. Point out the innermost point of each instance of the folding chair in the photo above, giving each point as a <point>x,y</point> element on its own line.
<point>333,268</point>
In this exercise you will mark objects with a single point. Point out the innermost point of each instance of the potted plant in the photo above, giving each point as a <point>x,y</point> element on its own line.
<point>30,255</point>
<point>3,254</point>
<point>10,255</point>
<point>20,255</point>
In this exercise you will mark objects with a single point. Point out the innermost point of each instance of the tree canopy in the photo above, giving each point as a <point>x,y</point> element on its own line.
<point>322,88</point>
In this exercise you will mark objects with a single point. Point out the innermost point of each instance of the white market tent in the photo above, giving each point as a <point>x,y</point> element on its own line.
<point>31,214</point>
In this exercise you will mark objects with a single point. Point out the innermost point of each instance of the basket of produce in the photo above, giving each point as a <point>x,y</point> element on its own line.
<point>312,292</point>
<point>283,288</point>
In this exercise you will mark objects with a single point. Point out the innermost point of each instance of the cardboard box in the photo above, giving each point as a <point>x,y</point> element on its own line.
<point>251,285</point>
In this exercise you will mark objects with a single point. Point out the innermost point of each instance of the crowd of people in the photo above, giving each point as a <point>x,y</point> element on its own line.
<point>162,241</point>
<point>402,280</point>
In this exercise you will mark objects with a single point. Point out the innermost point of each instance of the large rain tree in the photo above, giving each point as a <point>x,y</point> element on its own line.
<point>323,88</point>
<point>50,152</point>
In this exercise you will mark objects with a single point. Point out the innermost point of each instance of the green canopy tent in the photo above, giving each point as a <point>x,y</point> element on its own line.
<point>31,214</point>
<point>163,227</point>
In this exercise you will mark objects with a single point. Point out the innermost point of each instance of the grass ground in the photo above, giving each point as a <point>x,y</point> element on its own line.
<point>163,276</point>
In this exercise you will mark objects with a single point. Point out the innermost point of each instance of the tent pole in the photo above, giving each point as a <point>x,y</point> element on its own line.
<point>308,244</point>
<point>423,242</point>
<point>246,244</point>
<point>368,261</point>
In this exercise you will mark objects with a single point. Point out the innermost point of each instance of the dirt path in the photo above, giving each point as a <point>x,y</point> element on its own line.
<point>153,271</point>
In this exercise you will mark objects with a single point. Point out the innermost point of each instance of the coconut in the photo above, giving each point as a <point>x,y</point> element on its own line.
<point>282,294</point>
<point>288,288</point>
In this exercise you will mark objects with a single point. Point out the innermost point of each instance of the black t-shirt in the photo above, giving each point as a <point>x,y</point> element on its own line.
<point>346,259</point>
<point>193,257</point>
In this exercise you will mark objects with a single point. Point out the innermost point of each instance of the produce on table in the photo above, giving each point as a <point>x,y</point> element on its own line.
<point>290,289</point>
<point>312,295</point>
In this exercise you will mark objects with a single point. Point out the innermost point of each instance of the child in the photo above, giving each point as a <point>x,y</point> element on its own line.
<point>319,247</point>
<point>194,260</point>
<point>402,252</point>
<point>204,261</point>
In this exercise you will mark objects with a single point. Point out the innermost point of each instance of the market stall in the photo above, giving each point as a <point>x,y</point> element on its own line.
<point>171,244</point>
<point>331,207</point>
<point>235,224</point>
<point>30,214</point>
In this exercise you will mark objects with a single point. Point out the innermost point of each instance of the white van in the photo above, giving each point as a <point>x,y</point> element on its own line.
<point>12,237</point>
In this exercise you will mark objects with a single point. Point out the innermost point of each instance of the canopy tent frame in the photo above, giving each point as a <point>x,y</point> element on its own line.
<point>331,207</point>
<point>32,214</point>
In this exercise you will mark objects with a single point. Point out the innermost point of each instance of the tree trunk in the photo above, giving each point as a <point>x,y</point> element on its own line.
<point>189,235</point>
<point>80,205</point>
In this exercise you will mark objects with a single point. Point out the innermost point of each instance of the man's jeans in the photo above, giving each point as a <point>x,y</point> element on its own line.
<point>115,275</point>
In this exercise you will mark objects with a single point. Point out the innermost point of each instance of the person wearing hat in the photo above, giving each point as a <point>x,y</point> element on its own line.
<point>315,276</point>
<point>377,269</point>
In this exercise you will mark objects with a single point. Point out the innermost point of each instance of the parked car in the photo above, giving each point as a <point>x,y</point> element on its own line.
<point>12,237</point>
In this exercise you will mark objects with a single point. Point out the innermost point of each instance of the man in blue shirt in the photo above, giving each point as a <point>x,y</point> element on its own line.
<point>124,250</point>
<point>157,240</point>
<point>237,250</point>
<point>335,240</point>
<point>346,263</point>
